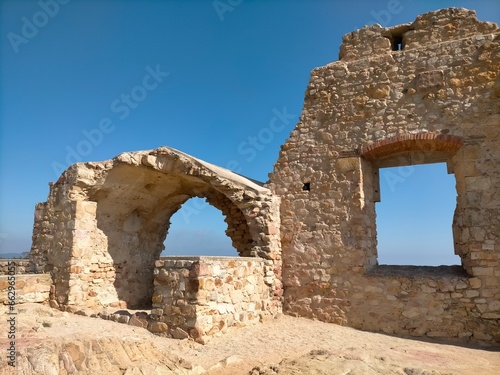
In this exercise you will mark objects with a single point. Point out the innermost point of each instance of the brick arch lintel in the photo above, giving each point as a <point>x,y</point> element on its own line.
<point>428,142</point>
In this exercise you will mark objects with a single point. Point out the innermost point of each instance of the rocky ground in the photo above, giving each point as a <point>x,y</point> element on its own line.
<point>52,342</point>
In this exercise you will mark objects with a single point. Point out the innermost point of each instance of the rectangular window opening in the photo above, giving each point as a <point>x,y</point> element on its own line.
<point>415,216</point>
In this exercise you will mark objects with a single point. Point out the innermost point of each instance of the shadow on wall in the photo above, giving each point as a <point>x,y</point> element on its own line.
<point>134,207</point>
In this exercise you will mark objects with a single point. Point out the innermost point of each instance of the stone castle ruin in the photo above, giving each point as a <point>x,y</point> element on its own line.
<point>422,92</point>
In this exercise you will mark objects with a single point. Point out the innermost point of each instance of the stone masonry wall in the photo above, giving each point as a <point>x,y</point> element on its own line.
<point>22,266</point>
<point>28,288</point>
<point>422,92</point>
<point>435,100</point>
<point>202,296</point>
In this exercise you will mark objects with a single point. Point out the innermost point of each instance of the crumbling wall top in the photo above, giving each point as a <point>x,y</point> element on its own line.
<point>429,28</point>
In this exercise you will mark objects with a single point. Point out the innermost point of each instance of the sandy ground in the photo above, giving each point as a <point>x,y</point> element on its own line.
<point>286,345</point>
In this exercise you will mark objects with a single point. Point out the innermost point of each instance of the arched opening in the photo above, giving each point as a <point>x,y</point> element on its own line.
<point>114,217</point>
<point>198,229</point>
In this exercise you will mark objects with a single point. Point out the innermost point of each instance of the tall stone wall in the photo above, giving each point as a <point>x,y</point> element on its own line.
<point>417,93</point>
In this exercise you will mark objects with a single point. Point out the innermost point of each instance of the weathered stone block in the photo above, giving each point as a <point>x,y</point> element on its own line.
<point>475,282</point>
<point>138,321</point>
<point>429,80</point>
<point>158,327</point>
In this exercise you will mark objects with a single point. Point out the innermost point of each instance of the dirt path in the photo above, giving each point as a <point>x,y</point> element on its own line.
<point>309,347</point>
<point>338,350</point>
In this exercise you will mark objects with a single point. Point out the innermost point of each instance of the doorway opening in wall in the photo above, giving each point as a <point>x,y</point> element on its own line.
<point>198,229</point>
<point>415,215</point>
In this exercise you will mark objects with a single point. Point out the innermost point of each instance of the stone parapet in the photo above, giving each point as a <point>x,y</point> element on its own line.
<point>437,302</point>
<point>199,297</point>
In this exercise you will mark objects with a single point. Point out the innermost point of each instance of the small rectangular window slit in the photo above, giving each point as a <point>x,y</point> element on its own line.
<point>396,36</point>
<point>397,44</point>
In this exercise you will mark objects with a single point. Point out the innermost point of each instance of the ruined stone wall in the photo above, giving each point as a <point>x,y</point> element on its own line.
<point>104,224</point>
<point>202,296</point>
<point>436,100</point>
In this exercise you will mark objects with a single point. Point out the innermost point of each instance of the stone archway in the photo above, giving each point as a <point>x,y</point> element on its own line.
<point>113,217</point>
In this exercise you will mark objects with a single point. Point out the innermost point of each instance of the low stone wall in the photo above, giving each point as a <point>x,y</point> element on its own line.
<point>22,266</point>
<point>202,296</point>
<point>28,288</point>
<point>437,302</point>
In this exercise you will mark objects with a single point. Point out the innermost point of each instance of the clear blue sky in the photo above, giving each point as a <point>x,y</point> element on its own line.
<point>90,79</point>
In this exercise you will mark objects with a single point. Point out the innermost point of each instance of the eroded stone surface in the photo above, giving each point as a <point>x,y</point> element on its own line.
<point>98,356</point>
